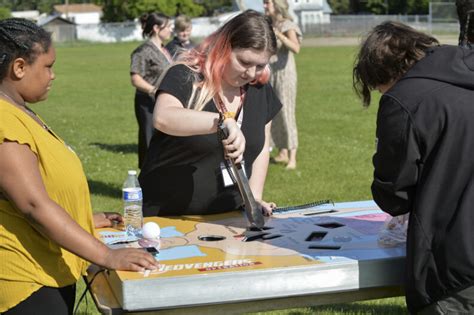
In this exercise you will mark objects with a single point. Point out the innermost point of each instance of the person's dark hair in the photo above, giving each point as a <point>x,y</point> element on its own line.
<point>465,10</point>
<point>153,19</point>
<point>142,19</point>
<point>387,53</point>
<point>20,38</point>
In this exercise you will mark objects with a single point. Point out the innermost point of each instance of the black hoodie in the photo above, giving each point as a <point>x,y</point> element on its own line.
<point>424,165</point>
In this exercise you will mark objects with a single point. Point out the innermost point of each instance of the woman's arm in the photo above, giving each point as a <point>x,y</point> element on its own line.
<point>142,85</point>
<point>22,184</point>
<point>172,118</point>
<point>289,39</point>
<point>259,173</point>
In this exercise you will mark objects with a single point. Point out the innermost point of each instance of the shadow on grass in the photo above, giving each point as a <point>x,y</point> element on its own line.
<point>117,148</point>
<point>360,308</point>
<point>101,188</point>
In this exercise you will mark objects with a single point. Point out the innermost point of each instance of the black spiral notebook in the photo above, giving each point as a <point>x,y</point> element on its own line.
<point>311,207</point>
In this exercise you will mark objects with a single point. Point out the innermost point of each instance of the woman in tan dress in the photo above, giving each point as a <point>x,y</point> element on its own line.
<point>284,79</point>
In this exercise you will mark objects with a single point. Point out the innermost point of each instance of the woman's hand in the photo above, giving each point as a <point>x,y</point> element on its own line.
<point>267,207</point>
<point>289,40</point>
<point>278,34</point>
<point>234,145</point>
<point>130,259</point>
<point>107,219</point>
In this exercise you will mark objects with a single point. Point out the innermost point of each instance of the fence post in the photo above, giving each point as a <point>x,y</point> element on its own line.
<point>430,18</point>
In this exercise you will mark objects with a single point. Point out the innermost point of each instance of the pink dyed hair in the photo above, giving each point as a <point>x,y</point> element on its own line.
<point>249,29</point>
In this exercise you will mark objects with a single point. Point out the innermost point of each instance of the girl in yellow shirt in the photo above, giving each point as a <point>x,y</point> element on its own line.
<point>46,220</point>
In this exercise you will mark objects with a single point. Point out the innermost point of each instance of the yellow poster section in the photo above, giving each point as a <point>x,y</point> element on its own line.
<point>228,255</point>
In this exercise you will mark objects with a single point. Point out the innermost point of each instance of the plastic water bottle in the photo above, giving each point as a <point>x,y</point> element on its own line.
<point>132,204</point>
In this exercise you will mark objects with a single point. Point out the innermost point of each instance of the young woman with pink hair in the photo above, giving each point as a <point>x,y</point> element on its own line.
<point>222,81</point>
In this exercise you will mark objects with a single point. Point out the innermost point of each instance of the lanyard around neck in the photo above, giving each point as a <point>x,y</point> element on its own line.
<point>223,109</point>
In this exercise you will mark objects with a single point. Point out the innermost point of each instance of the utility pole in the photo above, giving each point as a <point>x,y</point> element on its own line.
<point>67,9</point>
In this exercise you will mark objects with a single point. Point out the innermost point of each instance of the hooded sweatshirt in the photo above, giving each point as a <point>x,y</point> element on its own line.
<point>424,165</point>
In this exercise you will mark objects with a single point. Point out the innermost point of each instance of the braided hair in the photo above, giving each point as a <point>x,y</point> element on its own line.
<point>20,38</point>
<point>465,10</point>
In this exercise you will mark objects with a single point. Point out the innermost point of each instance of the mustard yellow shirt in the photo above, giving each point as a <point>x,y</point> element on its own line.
<point>28,260</point>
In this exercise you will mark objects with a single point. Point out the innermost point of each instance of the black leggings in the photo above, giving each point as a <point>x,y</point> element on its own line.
<point>47,301</point>
<point>144,106</point>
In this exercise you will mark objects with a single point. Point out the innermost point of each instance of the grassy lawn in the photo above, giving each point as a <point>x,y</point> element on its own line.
<point>91,107</point>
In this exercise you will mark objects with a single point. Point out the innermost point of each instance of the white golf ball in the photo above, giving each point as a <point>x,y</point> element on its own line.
<point>151,230</point>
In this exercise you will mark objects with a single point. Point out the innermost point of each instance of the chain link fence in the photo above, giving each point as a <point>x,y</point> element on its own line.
<point>357,25</point>
<point>441,20</point>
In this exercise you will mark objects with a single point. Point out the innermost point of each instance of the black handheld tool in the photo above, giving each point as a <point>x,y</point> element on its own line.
<point>253,209</point>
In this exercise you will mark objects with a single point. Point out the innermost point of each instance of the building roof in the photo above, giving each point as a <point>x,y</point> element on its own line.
<point>77,8</point>
<point>48,19</point>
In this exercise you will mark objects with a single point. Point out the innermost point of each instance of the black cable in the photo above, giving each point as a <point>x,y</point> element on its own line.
<point>88,287</point>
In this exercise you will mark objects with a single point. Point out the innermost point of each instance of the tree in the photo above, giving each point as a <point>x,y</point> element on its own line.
<point>377,6</point>
<point>168,7</point>
<point>211,7</point>
<point>383,6</point>
<point>119,11</point>
<point>5,13</point>
<point>397,7</point>
<point>340,6</point>
<point>46,6</point>
<point>116,10</point>
<point>418,6</point>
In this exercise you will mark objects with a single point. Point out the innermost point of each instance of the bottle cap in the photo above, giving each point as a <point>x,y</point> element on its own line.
<point>132,172</point>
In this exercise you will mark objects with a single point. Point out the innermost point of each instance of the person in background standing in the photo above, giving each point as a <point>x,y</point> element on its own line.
<point>182,41</point>
<point>148,62</point>
<point>284,80</point>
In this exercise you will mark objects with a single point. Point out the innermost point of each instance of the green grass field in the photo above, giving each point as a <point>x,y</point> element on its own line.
<point>91,107</point>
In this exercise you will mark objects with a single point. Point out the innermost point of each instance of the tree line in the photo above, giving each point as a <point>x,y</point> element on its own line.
<point>125,10</point>
<point>381,6</point>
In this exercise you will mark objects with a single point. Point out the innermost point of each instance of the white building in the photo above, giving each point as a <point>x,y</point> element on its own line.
<point>304,12</point>
<point>310,12</point>
<point>32,15</point>
<point>80,13</point>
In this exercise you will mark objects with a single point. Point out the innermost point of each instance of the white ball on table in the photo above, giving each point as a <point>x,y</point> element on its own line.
<point>151,230</point>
